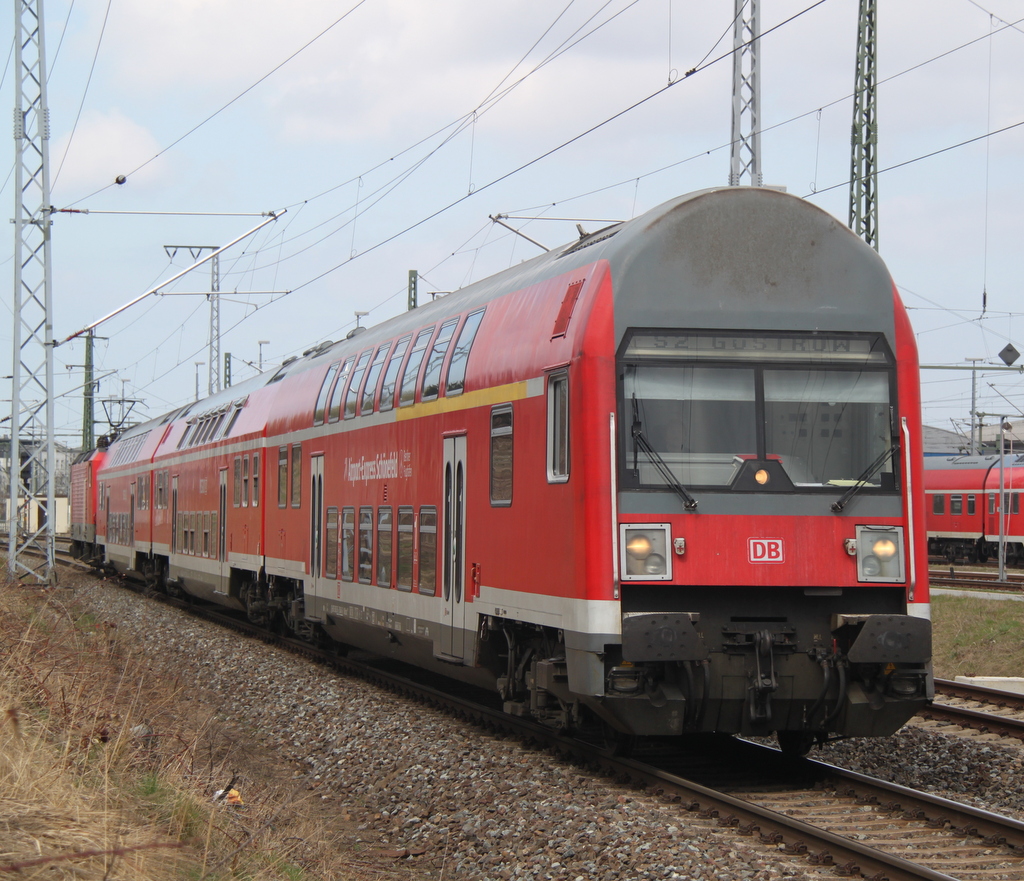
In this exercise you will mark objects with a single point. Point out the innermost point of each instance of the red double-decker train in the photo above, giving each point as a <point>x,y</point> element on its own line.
<point>963,507</point>
<point>664,479</point>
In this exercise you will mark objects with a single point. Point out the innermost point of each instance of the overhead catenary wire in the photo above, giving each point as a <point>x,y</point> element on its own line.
<point>280,245</point>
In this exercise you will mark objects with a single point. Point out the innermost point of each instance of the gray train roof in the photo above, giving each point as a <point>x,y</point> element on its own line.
<point>743,258</point>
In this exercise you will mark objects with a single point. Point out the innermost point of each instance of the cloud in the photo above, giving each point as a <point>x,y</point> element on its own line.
<point>104,145</point>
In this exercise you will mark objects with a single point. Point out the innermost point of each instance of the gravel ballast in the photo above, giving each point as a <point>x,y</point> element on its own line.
<point>422,786</point>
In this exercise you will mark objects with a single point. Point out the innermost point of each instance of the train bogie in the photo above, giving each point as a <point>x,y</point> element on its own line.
<point>663,480</point>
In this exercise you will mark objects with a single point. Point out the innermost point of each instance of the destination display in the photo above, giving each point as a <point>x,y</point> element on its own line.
<point>830,348</point>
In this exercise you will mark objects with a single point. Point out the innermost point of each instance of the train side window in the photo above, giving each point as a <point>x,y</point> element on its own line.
<point>370,386</point>
<point>387,388</point>
<point>428,550</point>
<point>234,419</point>
<point>460,354</point>
<point>403,576</point>
<point>282,477</point>
<point>372,375</point>
<point>365,545</point>
<point>320,410</point>
<point>349,406</point>
<point>348,544</point>
<point>412,368</point>
<point>245,481</point>
<point>296,475</point>
<point>558,428</point>
<point>237,488</point>
<point>384,546</point>
<point>970,505</point>
<point>432,372</point>
<point>1015,509</point>
<point>331,544</point>
<point>206,534</point>
<point>501,455</point>
<point>956,504</point>
<point>991,503</point>
<point>938,503</point>
<point>334,410</point>
<point>255,480</point>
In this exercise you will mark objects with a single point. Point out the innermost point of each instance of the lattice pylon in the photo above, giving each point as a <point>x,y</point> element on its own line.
<point>864,136</point>
<point>31,511</point>
<point>745,159</point>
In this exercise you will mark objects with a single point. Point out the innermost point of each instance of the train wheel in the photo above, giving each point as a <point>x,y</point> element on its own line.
<point>256,608</point>
<point>795,743</point>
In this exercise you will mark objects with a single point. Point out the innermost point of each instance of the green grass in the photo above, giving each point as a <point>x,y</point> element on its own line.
<point>977,637</point>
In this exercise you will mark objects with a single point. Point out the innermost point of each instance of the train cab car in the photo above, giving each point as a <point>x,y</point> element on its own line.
<point>963,507</point>
<point>664,479</point>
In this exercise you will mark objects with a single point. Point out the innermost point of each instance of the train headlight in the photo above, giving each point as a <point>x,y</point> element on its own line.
<point>880,553</point>
<point>638,545</point>
<point>644,552</point>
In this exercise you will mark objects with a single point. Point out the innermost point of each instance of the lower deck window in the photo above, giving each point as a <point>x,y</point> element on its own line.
<point>331,545</point>
<point>428,550</point>
<point>406,538</point>
<point>366,545</point>
<point>384,547</point>
<point>348,544</point>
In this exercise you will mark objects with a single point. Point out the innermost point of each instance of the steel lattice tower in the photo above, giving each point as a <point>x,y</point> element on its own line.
<point>746,96</point>
<point>32,437</point>
<point>864,159</point>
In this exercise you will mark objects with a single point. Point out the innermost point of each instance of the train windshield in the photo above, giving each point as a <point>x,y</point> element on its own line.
<point>705,408</point>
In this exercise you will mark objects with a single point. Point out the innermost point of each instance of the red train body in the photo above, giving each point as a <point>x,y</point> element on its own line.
<point>665,479</point>
<point>963,507</point>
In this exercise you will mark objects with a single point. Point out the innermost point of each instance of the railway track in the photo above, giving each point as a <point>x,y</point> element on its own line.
<point>977,707</point>
<point>824,819</point>
<point>976,579</point>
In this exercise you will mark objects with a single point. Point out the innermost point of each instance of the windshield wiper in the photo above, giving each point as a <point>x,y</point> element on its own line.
<point>869,472</point>
<point>640,442</point>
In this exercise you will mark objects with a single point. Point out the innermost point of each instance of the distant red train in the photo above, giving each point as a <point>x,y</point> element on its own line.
<point>963,508</point>
<point>664,479</point>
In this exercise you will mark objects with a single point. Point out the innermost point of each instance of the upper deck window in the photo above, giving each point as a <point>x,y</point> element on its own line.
<point>370,388</point>
<point>387,388</point>
<point>334,408</point>
<point>320,410</point>
<point>412,367</point>
<point>432,372</point>
<point>789,411</point>
<point>460,354</point>
<point>353,386</point>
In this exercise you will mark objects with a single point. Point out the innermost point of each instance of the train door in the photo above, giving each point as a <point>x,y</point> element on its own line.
<point>130,537</point>
<point>453,547</point>
<point>220,537</point>
<point>316,522</point>
<point>174,515</point>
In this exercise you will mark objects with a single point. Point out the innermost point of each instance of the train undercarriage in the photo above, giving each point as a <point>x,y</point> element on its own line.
<point>804,679</point>
<point>974,550</point>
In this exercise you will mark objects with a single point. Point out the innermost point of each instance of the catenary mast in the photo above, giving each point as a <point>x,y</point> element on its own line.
<point>745,159</point>
<point>864,140</point>
<point>31,512</point>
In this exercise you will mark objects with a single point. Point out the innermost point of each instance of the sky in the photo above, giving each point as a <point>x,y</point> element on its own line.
<point>383,133</point>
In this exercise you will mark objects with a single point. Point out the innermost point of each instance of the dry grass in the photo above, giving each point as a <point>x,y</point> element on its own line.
<point>976,637</point>
<point>107,770</point>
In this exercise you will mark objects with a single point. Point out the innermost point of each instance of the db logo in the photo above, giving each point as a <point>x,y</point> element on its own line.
<point>764,550</point>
